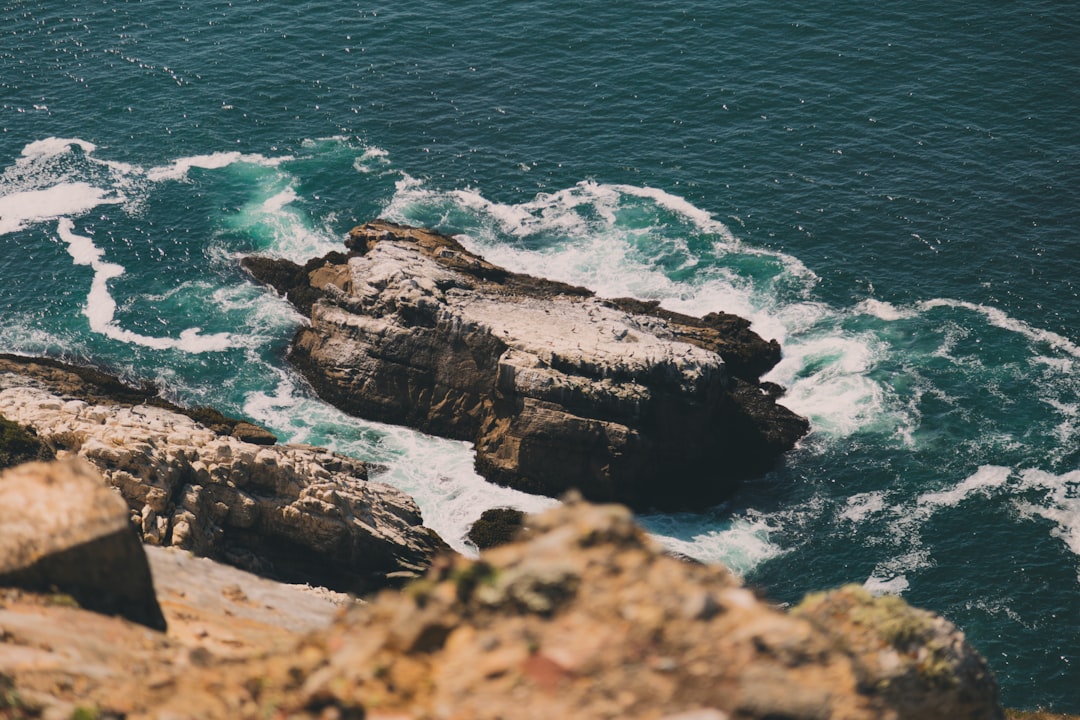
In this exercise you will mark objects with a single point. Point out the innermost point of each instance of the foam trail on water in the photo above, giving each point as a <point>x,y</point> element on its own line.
<point>1060,504</point>
<point>1003,320</point>
<point>890,576</point>
<point>54,146</point>
<point>20,209</point>
<point>100,306</point>
<point>741,543</point>
<point>178,169</point>
<point>982,482</point>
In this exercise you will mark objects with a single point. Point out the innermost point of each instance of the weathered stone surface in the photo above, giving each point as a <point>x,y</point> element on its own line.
<point>905,654</point>
<point>557,388</point>
<point>587,618</point>
<point>295,513</point>
<point>19,444</point>
<point>56,658</point>
<point>62,530</point>
<point>584,617</point>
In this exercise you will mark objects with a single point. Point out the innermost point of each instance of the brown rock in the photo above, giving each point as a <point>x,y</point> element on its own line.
<point>62,530</point>
<point>587,618</point>
<point>496,526</point>
<point>558,389</point>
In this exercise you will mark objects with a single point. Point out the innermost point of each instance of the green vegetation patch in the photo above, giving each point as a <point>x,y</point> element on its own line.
<point>19,444</point>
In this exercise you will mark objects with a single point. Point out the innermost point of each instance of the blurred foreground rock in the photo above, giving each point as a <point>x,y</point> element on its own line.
<point>588,619</point>
<point>63,531</point>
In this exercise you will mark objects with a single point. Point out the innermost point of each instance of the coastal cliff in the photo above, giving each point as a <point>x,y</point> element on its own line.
<point>291,512</point>
<point>558,389</point>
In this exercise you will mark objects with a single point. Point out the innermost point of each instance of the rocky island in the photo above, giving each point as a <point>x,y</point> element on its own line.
<point>557,388</point>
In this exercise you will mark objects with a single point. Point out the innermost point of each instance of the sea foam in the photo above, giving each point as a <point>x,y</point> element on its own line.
<point>21,209</point>
<point>100,308</point>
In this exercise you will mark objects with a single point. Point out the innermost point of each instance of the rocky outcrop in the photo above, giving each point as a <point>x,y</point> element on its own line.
<point>295,513</point>
<point>63,531</point>
<point>583,616</point>
<point>57,660</point>
<point>557,388</point>
<point>587,618</point>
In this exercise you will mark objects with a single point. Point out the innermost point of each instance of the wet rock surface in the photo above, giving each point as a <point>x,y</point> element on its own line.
<point>557,388</point>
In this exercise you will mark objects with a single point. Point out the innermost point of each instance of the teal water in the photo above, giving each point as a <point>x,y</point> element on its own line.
<point>894,194</point>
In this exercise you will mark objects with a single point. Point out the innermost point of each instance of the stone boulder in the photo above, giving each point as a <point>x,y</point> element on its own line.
<point>294,513</point>
<point>63,531</point>
<point>557,388</point>
<point>586,617</point>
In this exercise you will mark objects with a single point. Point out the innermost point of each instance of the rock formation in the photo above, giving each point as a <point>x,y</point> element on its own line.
<point>63,531</point>
<point>295,513</point>
<point>496,526</point>
<point>582,616</point>
<point>557,388</point>
<point>587,618</point>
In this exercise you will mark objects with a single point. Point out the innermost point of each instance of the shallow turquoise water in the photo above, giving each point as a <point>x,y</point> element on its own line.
<point>893,195</point>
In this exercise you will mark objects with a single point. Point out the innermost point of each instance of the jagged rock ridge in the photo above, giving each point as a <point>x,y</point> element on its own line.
<point>557,388</point>
<point>295,513</point>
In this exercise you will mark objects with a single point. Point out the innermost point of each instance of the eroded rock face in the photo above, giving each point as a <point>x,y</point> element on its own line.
<point>295,513</point>
<point>587,618</point>
<point>558,389</point>
<point>62,530</point>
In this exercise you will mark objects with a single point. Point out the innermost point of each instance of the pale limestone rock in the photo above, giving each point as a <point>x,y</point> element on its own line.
<point>292,511</point>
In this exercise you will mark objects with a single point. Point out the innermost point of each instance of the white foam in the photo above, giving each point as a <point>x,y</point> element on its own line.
<point>895,585</point>
<point>19,209</point>
<point>884,310</point>
<point>277,202</point>
<point>827,374</point>
<point>701,218</point>
<point>436,472</point>
<point>53,146</point>
<point>178,169</point>
<point>890,577</point>
<point>740,543</point>
<point>1061,503</point>
<point>100,308</point>
<point>862,505</point>
<point>982,482</point>
<point>1001,319</point>
<point>373,158</point>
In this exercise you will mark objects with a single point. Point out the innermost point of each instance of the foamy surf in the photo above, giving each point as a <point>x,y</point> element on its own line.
<point>740,542</point>
<point>100,308</point>
<point>438,473</point>
<point>19,210</point>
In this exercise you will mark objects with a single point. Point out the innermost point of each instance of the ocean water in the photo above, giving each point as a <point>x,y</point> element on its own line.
<point>892,193</point>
